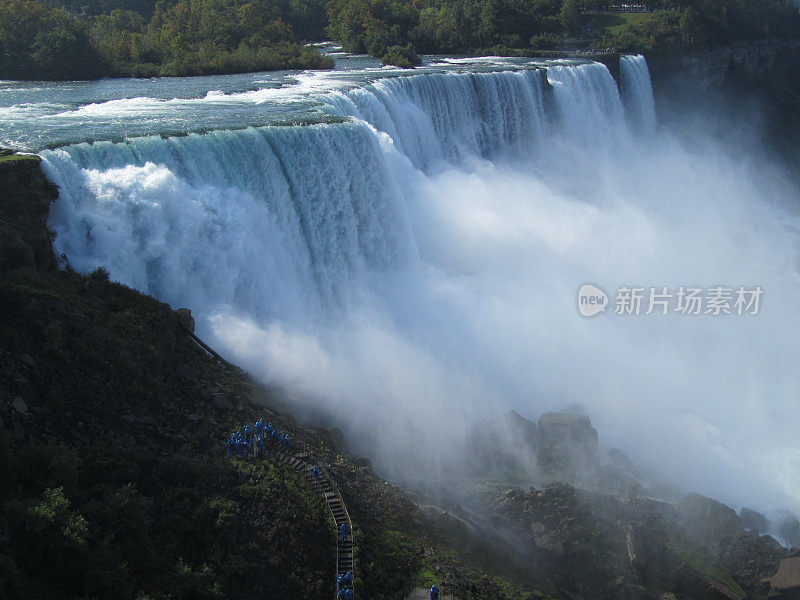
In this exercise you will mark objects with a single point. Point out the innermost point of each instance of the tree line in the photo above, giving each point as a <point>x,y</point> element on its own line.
<point>69,39</point>
<point>696,24</point>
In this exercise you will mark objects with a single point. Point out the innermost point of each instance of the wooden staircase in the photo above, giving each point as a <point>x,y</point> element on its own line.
<point>345,559</point>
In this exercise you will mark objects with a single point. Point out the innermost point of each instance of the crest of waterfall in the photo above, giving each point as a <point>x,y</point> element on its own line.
<point>271,221</point>
<point>637,92</point>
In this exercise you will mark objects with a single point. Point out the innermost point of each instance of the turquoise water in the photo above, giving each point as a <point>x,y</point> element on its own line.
<point>36,115</point>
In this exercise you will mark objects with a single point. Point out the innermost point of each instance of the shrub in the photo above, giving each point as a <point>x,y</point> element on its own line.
<point>401,56</point>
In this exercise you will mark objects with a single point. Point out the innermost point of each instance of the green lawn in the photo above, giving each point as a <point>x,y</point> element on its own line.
<point>614,23</point>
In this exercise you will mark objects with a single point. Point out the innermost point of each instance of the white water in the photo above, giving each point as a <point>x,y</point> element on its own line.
<point>415,270</point>
<point>635,81</point>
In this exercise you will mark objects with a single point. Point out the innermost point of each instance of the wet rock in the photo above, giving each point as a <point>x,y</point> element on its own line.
<point>186,319</point>
<point>567,442</point>
<point>504,448</point>
<point>363,462</point>
<point>193,418</point>
<point>789,529</point>
<point>28,361</point>
<point>129,418</point>
<point>338,440</point>
<point>188,373</point>
<point>221,402</point>
<point>20,406</point>
<point>752,559</point>
<point>707,521</point>
<point>754,520</point>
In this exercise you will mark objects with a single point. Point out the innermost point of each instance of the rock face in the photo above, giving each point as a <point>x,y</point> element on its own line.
<point>753,520</point>
<point>789,529</point>
<point>504,448</point>
<point>595,546</point>
<point>567,442</point>
<point>186,319</point>
<point>707,521</point>
<point>752,559</point>
<point>25,196</point>
<point>764,69</point>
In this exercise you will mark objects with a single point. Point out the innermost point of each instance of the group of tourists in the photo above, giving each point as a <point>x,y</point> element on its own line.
<point>250,440</point>
<point>344,531</point>
<point>345,586</point>
<point>434,592</point>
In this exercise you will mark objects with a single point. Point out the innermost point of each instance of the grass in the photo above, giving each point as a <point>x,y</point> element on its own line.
<point>18,158</point>
<point>705,564</point>
<point>615,23</point>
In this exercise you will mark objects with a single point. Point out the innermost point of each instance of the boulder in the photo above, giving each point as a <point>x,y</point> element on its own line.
<point>504,448</point>
<point>567,443</point>
<point>753,520</point>
<point>20,406</point>
<point>789,529</point>
<point>221,402</point>
<point>333,438</point>
<point>752,559</point>
<point>707,521</point>
<point>186,319</point>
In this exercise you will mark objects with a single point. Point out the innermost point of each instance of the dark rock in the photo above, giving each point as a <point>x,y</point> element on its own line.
<point>789,529</point>
<point>20,406</point>
<point>339,440</point>
<point>363,462</point>
<point>208,392</point>
<point>333,438</point>
<point>290,419</point>
<point>567,442</point>
<point>504,448</point>
<point>27,359</point>
<point>186,319</point>
<point>193,418</point>
<point>707,521</point>
<point>754,520</point>
<point>752,559</point>
<point>129,418</point>
<point>221,402</point>
<point>188,373</point>
<point>25,196</point>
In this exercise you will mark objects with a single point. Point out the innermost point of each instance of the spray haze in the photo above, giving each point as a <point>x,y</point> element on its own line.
<point>413,271</point>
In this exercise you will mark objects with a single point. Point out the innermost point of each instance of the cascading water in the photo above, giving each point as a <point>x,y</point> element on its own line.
<point>414,269</point>
<point>266,220</point>
<point>452,116</point>
<point>637,92</point>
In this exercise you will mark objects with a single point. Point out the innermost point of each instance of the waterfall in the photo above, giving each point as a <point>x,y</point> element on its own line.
<point>261,217</point>
<point>416,264</point>
<point>268,220</point>
<point>452,116</point>
<point>637,92</point>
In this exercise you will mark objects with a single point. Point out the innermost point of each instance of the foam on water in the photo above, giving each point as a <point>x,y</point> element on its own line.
<point>414,269</point>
